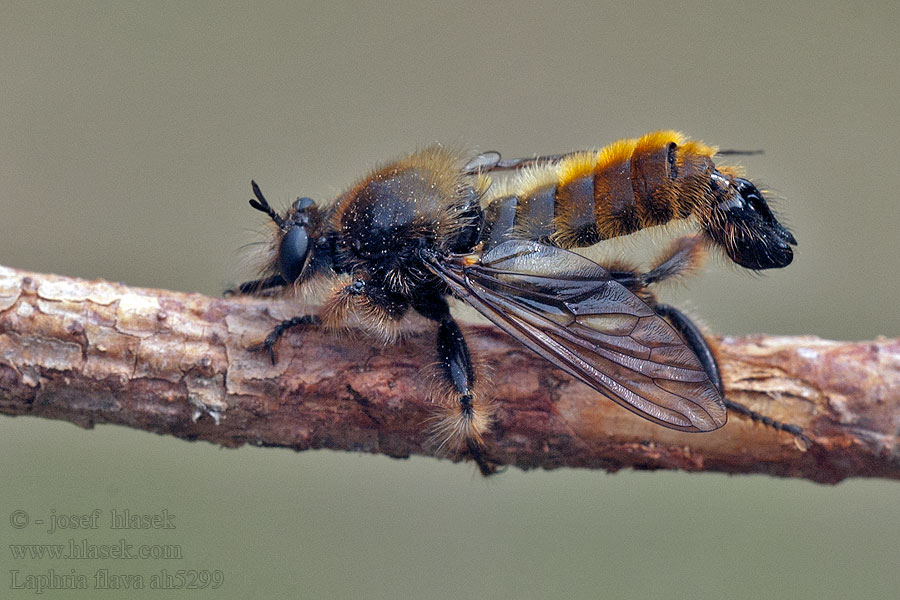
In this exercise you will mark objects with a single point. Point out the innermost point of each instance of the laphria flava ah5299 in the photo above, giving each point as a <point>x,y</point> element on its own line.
<point>498,234</point>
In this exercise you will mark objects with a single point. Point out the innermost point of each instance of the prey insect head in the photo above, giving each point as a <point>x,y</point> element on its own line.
<point>294,247</point>
<point>743,225</point>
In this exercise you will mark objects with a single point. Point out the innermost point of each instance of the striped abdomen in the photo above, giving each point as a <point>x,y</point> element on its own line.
<point>586,197</point>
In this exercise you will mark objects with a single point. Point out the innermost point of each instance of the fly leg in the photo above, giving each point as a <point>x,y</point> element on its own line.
<point>691,334</point>
<point>456,365</point>
<point>257,287</point>
<point>682,257</point>
<point>469,418</point>
<point>269,343</point>
<point>357,288</point>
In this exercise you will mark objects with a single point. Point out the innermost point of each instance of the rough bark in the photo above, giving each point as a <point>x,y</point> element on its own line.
<point>178,364</point>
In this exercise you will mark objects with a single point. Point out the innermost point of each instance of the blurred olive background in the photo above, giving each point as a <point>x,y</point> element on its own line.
<point>129,135</point>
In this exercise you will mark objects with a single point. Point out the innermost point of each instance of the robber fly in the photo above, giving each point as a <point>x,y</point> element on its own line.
<point>433,225</point>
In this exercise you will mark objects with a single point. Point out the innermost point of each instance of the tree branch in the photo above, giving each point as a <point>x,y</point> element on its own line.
<point>178,364</point>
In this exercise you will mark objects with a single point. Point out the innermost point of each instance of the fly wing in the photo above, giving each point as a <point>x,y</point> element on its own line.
<point>569,310</point>
<point>487,162</point>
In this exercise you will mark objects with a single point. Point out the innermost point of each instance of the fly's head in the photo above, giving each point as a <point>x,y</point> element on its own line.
<point>743,225</point>
<point>295,243</point>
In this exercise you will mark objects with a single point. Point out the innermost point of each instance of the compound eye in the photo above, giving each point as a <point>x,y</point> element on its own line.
<point>292,253</point>
<point>301,204</point>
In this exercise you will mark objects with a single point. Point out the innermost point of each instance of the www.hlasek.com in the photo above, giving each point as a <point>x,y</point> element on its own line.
<point>83,549</point>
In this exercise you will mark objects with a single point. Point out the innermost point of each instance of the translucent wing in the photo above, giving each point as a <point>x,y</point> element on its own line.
<point>569,310</point>
<point>486,161</point>
<point>492,161</point>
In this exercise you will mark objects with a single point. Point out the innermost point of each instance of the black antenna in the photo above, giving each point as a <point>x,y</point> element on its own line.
<point>739,152</point>
<point>262,205</point>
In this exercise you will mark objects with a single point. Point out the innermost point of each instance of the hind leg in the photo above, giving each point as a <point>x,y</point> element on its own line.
<point>683,256</point>
<point>691,334</point>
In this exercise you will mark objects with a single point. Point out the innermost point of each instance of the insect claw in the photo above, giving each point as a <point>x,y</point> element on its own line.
<point>802,442</point>
<point>269,346</point>
<point>264,346</point>
<point>477,454</point>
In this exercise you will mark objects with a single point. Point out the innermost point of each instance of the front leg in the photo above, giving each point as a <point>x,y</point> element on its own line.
<point>269,343</point>
<point>257,287</point>
<point>357,288</point>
